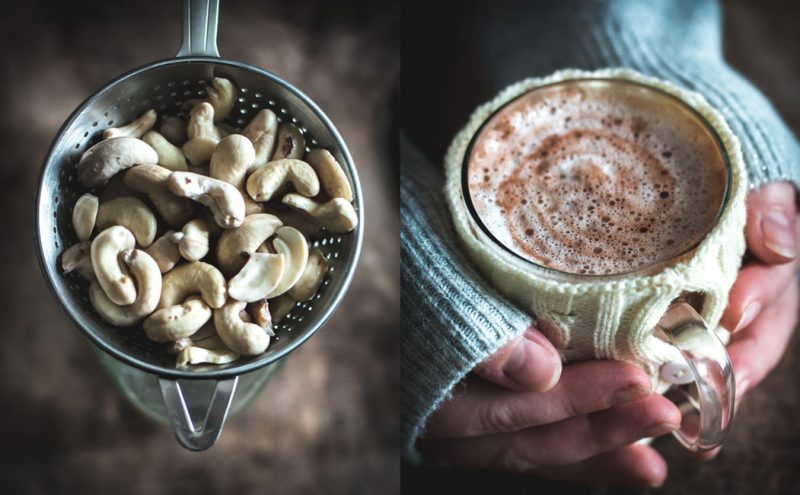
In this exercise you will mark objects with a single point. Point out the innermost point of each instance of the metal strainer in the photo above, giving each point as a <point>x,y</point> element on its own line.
<point>164,85</point>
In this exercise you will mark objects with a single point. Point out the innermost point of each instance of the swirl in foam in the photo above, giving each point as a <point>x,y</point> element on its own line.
<point>592,177</point>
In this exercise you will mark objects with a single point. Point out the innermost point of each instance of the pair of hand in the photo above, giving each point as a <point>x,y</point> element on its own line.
<point>520,411</point>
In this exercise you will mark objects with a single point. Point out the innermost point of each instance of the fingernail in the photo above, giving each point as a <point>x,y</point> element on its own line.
<point>779,235</point>
<point>741,387</point>
<point>628,394</point>
<point>658,429</point>
<point>526,366</point>
<point>748,315</point>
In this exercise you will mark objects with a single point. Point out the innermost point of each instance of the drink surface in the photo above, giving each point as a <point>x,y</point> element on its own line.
<point>595,177</point>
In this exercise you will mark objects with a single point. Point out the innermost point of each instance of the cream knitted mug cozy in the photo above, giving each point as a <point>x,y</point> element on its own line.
<point>609,317</point>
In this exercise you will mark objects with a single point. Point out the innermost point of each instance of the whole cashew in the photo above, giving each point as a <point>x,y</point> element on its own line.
<point>292,244</point>
<point>165,252</point>
<point>148,285</point>
<point>174,129</point>
<point>259,276</point>
<point>262,131</point>
<point>135,129</point>
<point>192,278</point>
<point>272,177</point>
<point>103,160</point>
<point>231,160</point>
<point>222,96</point>
<point>246,239</point>
<point>112,276</point>
<point>280,306</point>
<point>199,355</point>
<point>223,199</point>
<point>177,322</point>
<point>203,136</point>
<point>293,218</point>
<point>336,215</point>
<point>131,213</point>
<point>116,188</point>
<point>192,240</point>
<point>152,181</point>
<point>247,339</point>
<point>330,173</point>
<point>169,155</point>
<point>291,143</point>
<point>306,288</point>
<point>78,259</point>
<point>84,215</point>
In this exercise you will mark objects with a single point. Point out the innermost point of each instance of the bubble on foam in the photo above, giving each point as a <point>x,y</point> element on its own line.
<point>607,183</point>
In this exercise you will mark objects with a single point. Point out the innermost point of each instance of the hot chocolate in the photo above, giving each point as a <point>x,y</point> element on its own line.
<point>588,177</point>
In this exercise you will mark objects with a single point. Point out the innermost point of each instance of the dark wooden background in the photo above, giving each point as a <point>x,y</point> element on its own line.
<point>762,456</point>
<point>328,422</point>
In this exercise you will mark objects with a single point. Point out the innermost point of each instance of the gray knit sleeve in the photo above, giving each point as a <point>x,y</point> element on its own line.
<point>451,318</point>
<point>676,40</point>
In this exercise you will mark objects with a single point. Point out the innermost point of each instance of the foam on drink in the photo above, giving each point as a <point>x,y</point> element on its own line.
<point>589,177</point>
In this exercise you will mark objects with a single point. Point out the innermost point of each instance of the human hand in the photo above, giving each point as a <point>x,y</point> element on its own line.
<point>514,413</point>
<point>763,303</point>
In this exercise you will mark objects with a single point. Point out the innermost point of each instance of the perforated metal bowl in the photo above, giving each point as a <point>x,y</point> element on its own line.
<point>164,85</point>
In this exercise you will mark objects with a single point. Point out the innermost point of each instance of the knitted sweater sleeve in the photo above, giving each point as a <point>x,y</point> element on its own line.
<point>451,319</point>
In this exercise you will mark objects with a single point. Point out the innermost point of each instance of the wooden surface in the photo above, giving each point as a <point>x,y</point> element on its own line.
<point>762,456</point>
<point>328,422</point>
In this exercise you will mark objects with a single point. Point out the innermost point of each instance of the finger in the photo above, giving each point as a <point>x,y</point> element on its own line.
<point>757,286</point>
<point>755,351</point>
<point>637,465</point>
<point>584,388</point>
<point>566,442</point>
<point>529,362</point>
<point>771,226</point>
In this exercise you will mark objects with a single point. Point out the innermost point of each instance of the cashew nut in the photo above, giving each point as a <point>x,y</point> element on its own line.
<point>192,278</point>
<point>135,129</point>
<point>84,215</point>
<point>78,259</point>
<point>232,159</point>
<point>199,355</point>
<point>169,155</point>
<point>112,276</point>
<point>280,307</point>
<point>178,321</point>
<point>336,215</point>
<point>259,312</point>
<point>262,131</point>
<point>223,199</point>
<point>131,213</point>
<point>222,96</point>
<point>259,276</point>
<point>292,244</point>
<point>103,160</point>
<point>192,240</point>
<point>115,188</point>
<point>330,173</point>
<point>247,339</point>
<point>203,136</point>
<point>293,218</point>
<point>174,129</point>
<point>272,177</point>
<point>291,143</point>
<point>246,239</point>
<point>308,285</point>
<point>152,181</point>
<point>165,252</point>
<point>148,286</point>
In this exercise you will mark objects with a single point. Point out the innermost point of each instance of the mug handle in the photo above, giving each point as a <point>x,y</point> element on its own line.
<point>188,435</point>
<point>704,388</point>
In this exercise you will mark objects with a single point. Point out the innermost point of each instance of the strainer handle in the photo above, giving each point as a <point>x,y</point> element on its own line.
<point>204,436</point>
<point>199,29</point>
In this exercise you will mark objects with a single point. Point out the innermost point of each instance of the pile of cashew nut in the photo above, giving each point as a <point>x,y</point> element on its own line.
<point>198,232</point>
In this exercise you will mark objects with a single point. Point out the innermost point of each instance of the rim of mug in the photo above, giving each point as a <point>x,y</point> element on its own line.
<point>649,269</point>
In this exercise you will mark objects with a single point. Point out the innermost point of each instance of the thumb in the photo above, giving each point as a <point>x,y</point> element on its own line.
<point>528,363</point>
<point>771,227</point>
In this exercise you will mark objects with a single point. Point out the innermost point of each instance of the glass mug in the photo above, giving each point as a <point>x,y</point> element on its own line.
<point>661,317</point>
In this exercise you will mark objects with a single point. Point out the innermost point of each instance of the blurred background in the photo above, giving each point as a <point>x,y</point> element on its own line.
<point>762,41</point>
<point>328,422</point>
